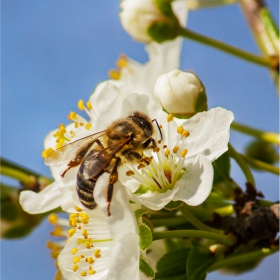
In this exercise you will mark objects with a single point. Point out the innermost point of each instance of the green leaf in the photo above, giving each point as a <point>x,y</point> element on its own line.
<point>17,231</point>
<point>173,264</point>
<point>9,211</point>
<point>146,237</point>
<point>198,262</point>
<point>145,268</point>
<point>173,205</point>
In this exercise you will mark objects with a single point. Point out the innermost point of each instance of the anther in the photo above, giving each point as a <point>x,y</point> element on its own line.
<point>75,267</point>
<point>175,149</point>
<point>180,129</point>
<point>72,116</point>
<point>184,152</point>
<point>74,251</point>
<point>167,152</point>
<point>141,166</point>
<point>129,173</point>
<point>169,118</point>
<point>88,126</point>
<point>89,106</point>
<point>91,272</point>
<point>81,105</point>
<point>185,133</point>
<point>53,218</point>
<point>156,149</point>
<point>78,209</point>
<point>83,273</point>
<point>85,234</point>
<point>47,152</point>
<point>58,231</point>
<point>97,253</point>
<point>71,232</point>
<point>76,260</point>
<point>88,245</point>
<point>89,260</point>
<point>114,74</point>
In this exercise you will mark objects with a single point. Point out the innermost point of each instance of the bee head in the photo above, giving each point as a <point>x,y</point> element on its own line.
<point>143,122</point>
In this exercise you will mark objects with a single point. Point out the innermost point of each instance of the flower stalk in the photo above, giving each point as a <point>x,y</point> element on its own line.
<point>227,240</point>
<point>268,136</point>
<point>262,61</point>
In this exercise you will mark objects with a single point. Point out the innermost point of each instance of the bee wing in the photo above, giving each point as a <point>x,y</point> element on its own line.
<point>100,160</point>
<point>74,151</point>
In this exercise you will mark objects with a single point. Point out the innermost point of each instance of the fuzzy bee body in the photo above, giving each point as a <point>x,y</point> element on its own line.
<point>124,140</point>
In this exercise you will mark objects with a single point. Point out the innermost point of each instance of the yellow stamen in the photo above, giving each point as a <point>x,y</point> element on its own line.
<point>122,61</point>
<point>83,273</point>
<point>88,126</point>
<point>88,245</point>
<point>167,152</point>
<point>175,149</point>
<point>141,166</point>
<point>180,129</point>
<point>89,105</point>
<point>74,251</point>
<point>82,256</point>
<point>81,105</point>
<point>129,173</point>
<point>90,260</point>
<point>97,253</point>
<point>156,149</point>
<point>71,232</point>
<point>47,152</point>
<point>53,218</point>
<point>55,253</point>
<point>184,152</point>
<point>76,260</point>
<point>85,233</point>
<point>91,272</point>
<point>114,74</point>
<point>72,116</point>
<point>185,133</point>
<point>80,241</point>
<point>58,231</point>
<point>58,276</point>
<point>78,209</point>
<point>169,118</point>
<point>75,267</point>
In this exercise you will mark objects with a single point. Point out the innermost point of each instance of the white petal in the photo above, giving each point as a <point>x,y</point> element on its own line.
<point>122,220</point>
<point>47,199</point>
<point>124,262</point>
<point>209,133</point>
<point>196,183</point>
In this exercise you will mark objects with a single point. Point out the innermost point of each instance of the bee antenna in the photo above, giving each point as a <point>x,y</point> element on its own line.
<point>154,120</point>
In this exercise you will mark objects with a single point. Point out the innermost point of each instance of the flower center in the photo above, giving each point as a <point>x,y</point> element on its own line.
<point>165,166</point>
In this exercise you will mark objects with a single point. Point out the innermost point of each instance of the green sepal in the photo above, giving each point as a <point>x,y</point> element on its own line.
<point>173,264</point>
<point>173,205</point>
<point>146,237</point>
<point>198,262</point>
<point>145,268</point>
<point>17,231</point>
<point>140,212</point>
<point>201,102</point>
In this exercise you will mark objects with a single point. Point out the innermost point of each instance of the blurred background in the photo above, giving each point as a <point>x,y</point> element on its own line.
<point>56,52</point>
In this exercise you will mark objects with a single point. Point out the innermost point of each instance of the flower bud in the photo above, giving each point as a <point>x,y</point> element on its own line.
<point>181,93</point>
<point>147,20</point>
<point>262,150</point>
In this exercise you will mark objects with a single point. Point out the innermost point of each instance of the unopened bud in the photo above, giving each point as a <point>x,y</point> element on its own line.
<point>181,93</point>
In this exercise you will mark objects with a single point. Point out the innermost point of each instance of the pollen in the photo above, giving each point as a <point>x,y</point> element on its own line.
<point>76,260</point>
<point>81,105</point>
<point>85,234</point>
<point>169,118</point>
<point>75,267</point>
<point>156,150</point>
<point>114,74</point>
<point>80,241</point>
<point>175,149</point>
<point>84,273</point>
<point>88,126</point>
<point>180,129</point>
<point>90,260</point>
<point>167,152</point>
<point>72,116</point>
<point>58,231</point>
<point>71,232</point>
<point>74,251</point>
<point>129,173</point>
<point>78,209</point>
<point>91,272</point>
<point>89,106</point>
<point>141,166</point>
<point>53,218</point>
<point>97,253</point>
<point>122,61</point>
<point>184,152</point>
<point>88,245</point>
<point>47,152</point>
<point>185,133</point>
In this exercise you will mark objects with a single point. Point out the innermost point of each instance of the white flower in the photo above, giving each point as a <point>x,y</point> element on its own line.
<point>178,92</point>
<point>180,168</point>
<point>102,247</point>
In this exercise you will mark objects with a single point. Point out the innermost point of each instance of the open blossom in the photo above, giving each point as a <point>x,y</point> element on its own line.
<point>180,167</point>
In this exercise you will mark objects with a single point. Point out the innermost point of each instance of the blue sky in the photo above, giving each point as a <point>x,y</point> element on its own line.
<point>55,53</point>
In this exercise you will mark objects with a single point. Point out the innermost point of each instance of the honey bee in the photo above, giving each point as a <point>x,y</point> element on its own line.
<point>124,140</point>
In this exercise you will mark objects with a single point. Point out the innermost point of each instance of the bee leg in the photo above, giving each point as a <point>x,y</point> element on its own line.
<point>132,154</point>
<point>151,143</point>
<point>112,180</point>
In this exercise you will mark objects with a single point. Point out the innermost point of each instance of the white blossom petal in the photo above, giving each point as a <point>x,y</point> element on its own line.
<point>196,183</point>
